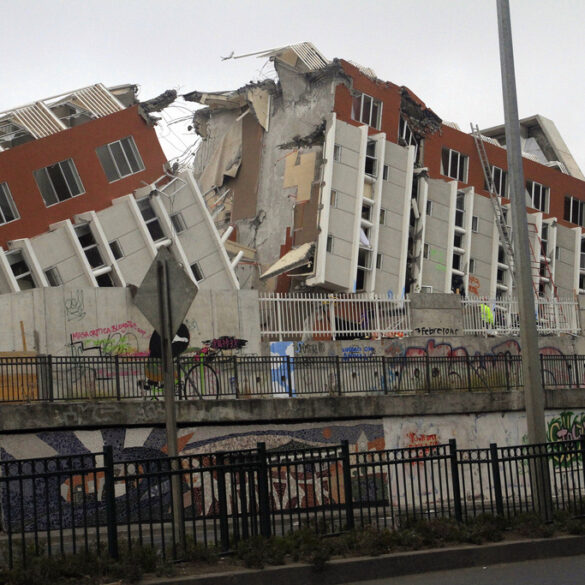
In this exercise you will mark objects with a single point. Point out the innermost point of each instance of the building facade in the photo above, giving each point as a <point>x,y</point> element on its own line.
<point>86,198</point>
<point>342,182</point>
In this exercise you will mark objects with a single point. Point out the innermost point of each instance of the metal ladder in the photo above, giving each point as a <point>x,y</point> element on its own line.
<point>495,200</point>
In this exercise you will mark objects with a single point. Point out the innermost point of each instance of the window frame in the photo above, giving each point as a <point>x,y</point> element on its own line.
<point>461,164</point>
<point>111,149</point>
<point>543,195</point>
<point>197,271</point>
<point>23,275</point>
<point>45,172</point>
<point>367,106</point>
<point>6,195</point>
<point>575,207</point>
<point>53,276</point>
<point>177,219</point>
<point>144,205</point>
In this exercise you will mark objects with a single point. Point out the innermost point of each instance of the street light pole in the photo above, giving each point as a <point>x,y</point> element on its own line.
<point>533,389</point>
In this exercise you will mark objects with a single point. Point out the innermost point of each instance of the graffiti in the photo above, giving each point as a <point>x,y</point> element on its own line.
<point>76,336</point>
<point>357,352</point>
<point>292,487</point>
<point>473,285</point>
<point>567,426</point>
<point>303,348</point>
<point>192,325</point>
<point>436,331</point>
<point>423,444</point>
<point>74,306</point>
<point>438,256</point>
<point>226,342</point>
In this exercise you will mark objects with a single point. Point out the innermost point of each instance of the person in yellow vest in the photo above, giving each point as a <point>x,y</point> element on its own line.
<point>487,316</point>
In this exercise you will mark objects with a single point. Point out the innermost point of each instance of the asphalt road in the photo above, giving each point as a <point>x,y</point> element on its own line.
<point>557,571</point>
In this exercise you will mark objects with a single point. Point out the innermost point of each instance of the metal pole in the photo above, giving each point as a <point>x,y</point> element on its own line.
<point>533,391</point>
<point>166,335</point>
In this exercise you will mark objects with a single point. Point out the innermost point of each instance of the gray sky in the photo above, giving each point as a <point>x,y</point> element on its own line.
<point>446,51</point>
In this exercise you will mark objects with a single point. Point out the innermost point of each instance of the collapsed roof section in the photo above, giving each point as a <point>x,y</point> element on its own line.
<point>541,141</point>
<point>63,111</point>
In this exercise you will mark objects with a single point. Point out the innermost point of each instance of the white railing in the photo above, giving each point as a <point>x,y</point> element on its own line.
<point>332,316</point>
<point>483,316</point>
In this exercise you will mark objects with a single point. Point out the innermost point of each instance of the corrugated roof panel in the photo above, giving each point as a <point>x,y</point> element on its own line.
<point>310,56</point>
<point>38,120</point>
<point>98,100</point>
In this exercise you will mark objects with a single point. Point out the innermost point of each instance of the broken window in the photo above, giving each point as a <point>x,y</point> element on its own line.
<point>329,246</point>
<point>8,210</point>
<point>20,270</point>
<point>538,195</point>
<point>105,280</point>
<point>459,208</point>
<point>574,210</point>
<point>150,219</point>
<point>385,172</point>
<point>337,152</point>
<point>475,224</point>
<point>471,269</point>
<point>89,246</point>
<point>53,276</point>
<point>59,182</point>
<point>120,159</point>
<point>382,216</point>
<point>367,110</point>
<point>454,164</point>
<point>378,261</point>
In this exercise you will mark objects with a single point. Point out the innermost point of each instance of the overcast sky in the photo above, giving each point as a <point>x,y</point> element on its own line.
<point>446,51</point>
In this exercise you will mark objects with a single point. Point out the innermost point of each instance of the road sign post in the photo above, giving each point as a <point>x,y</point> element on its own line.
<point>164,297</point>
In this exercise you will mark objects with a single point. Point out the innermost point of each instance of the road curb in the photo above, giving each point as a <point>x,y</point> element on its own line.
<point>391,565</point>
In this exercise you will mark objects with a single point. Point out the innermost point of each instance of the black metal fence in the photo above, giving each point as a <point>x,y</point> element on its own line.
<point>119,377</point>
<point>89,502</point>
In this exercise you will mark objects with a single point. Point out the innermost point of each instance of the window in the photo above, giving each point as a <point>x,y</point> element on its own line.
<point>20,270</point>
<point>120,159</point>
<point>538,195</point>
<point>500,179</point>
<point>429,208</point>
<point>53,276</point>
<point>337,152</point>
<point>59,182</point>
<point>454,164</point>
<point>89,245</point>
<point>474,223</point>
<point>366,212</point>
<point>382,216</point>
<point>329,247</point>
<point>426,251</point>
<point>386,172</point>
<point>459,208</point>
<point>371,160</point>
<point>574,210</point>
<point>8,210</point>
<point>178,222</point>
<point>471,266</point>
<point>197,272</point>
<point>150,219</point>
<point>557,253</point>
<point>378,261</point>
<point>104,280</point>
<point>333,198</point>
<point>366,109</point>
<point>116,250</point>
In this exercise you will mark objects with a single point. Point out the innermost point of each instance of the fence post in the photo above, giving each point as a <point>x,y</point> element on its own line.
<point>117,361</point>
<point>49,375</point>
<point>385,374</point>
<point>224,530</point>
<point>495,463</point>
<point>289,376</point>
<point>332,319</point>
<point>541,369</point>
<point>455,480</point>
<point>582,449</point>
<point>237,382</point>
<point>507,366</point>
<point>110,497</point>
<point>347,489</point>
<point>338,368</point>
<point>428,371</point>
<point>263,496</point>
<point>467,358</point>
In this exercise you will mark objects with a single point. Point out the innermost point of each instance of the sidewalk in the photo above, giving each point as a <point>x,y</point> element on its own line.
<point>341,571</point>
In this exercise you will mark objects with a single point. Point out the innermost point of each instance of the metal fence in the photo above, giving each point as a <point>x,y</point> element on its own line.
<point>91,502</point>
<point>55,378</point>
<point>328,316</point>
<point>483,316</point>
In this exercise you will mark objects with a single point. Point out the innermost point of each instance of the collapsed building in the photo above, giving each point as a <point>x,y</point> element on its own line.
<point>87,197</point>
<point>334,180</point>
